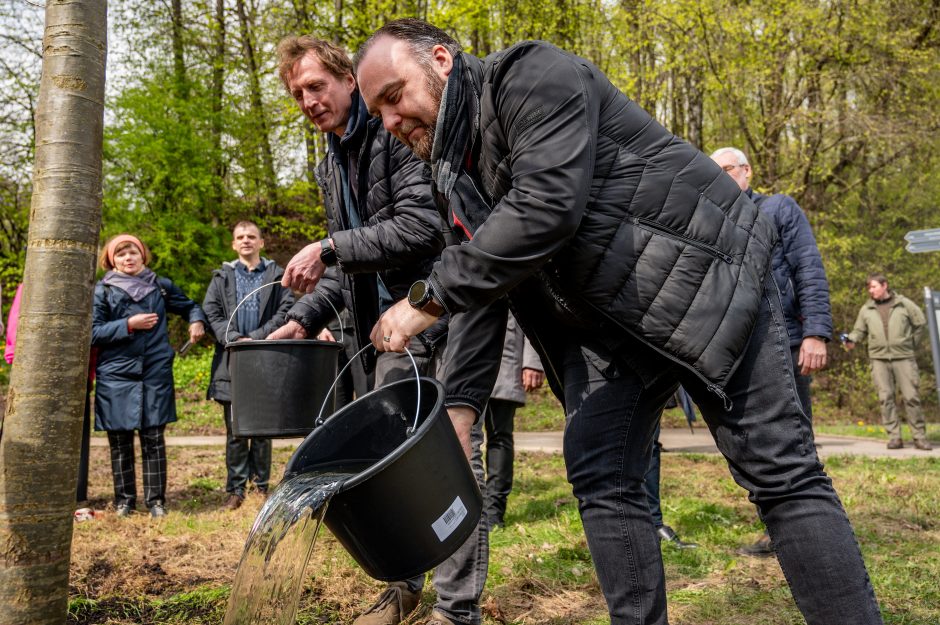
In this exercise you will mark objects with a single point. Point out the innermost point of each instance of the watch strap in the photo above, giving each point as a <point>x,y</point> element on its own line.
<point>433,307</point>
<point>327,253</point>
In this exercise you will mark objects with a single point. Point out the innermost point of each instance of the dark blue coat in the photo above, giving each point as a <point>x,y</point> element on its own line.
<point>798,269</point>
<point>134,383</point>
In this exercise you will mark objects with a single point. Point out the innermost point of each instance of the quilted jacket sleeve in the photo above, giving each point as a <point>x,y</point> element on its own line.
<point>809,275</point>
<point>404,225</point>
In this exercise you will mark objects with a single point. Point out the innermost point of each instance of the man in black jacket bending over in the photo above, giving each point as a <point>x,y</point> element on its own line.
<point>633,263</point>
<point>385,233</point>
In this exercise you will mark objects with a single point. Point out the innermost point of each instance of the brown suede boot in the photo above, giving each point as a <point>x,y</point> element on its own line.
<point>438,619</point>
<point>393,606</point>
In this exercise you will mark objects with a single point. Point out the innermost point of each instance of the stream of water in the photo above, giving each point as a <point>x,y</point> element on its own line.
<point>270,575</point>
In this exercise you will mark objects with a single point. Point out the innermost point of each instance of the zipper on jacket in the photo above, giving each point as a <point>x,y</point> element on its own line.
<point>649,224</point>
<point>710,386</point>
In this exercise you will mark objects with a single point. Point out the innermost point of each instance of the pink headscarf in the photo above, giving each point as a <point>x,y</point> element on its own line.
<point>123,238</point>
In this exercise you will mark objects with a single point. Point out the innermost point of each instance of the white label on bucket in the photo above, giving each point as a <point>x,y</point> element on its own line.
<point>449,521</point>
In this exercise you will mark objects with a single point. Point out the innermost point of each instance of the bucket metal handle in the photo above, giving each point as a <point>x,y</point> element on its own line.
<point>342,333</point>
<point>410,431</point>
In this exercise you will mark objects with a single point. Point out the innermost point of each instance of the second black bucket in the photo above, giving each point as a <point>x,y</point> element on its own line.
<point>278,387</point>
<point>412,500</point>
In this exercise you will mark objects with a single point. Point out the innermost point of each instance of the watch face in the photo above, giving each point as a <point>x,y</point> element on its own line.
<point>418,293</point>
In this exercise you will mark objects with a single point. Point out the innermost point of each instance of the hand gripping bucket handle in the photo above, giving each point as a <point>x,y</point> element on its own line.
<point>410,431</point>
<point>342,334</point>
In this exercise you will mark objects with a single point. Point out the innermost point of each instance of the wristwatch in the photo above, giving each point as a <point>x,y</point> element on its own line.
<point>421,296</point>
<point>327,253</point>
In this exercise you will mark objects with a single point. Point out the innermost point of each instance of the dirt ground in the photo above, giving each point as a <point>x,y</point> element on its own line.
<point>129,564</point>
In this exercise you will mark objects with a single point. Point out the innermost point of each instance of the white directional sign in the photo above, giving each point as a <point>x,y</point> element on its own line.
<point>919,241</point>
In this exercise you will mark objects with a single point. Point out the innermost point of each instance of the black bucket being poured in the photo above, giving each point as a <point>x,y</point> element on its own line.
<point>277,386</point>
<point>412,500</point>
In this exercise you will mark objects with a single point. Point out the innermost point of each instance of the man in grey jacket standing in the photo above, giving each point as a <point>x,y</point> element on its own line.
<point>260,313</point>
<point>633,264</point>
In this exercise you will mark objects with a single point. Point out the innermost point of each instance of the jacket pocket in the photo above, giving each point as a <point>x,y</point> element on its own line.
<point>657,228</point>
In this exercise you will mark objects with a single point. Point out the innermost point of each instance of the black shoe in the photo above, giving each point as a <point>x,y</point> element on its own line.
<point>124,510</point>
<point>667,534</point>
<point>763,548</point>
<point>157,511</point>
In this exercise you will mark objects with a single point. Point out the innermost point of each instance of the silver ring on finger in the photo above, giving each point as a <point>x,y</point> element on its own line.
<point>387,339</point>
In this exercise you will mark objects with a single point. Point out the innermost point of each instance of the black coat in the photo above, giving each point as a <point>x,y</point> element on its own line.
<point>602,214</point>
<point>401,236</point>
<point>134,371</point>
<point>219,304</point>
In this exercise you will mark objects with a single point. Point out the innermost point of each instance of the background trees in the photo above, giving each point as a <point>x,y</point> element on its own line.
<point>833,100</point>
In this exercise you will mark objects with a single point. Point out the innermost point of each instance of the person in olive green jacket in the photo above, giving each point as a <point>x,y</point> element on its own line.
<point>893,324</point>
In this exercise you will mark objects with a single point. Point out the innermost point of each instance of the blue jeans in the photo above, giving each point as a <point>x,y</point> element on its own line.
<point>614,396</point>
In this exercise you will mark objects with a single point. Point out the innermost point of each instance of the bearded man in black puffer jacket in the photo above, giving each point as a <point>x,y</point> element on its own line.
<point>634,263</point>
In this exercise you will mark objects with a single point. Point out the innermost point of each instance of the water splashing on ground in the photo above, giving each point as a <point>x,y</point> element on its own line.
<point>270,575</point>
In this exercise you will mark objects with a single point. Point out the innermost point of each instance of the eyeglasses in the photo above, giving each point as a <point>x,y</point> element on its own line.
<point>729,168</point>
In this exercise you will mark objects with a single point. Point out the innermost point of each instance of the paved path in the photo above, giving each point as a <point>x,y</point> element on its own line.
<point>673,439</point>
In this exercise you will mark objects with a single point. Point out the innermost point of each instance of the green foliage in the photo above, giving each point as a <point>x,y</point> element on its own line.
<point>197,415</point>
<point>192,371</point>
<point>834,102</point>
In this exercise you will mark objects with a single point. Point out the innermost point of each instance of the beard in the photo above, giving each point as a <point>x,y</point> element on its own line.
<point>435,87</point>
<point>423,146</point>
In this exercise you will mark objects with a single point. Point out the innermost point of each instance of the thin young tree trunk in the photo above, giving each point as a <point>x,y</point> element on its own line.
<point>218,85</point>
<point>179,61</point>
<point>40,432</point>
<point>257,106</point>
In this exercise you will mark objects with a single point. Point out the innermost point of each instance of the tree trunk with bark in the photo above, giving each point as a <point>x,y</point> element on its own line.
<point>41,430</point>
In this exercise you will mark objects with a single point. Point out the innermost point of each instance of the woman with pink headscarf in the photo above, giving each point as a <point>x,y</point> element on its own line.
<point>134,389</point>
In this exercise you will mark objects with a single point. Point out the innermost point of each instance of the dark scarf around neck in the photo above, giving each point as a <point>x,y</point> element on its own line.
<point>457,121</point>
<point>355,125</point>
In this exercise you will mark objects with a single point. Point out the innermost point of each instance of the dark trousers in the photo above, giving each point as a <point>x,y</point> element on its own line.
<point>614,399</point>
<point>498,419</point>
<point>354,381</point>
<point>153,455</point>
<point>245,458</point>
<point>651,482</point>
<point>802,383</point>
<point>81,493</point>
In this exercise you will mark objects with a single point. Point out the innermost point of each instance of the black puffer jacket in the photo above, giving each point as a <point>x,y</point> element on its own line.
<point>617,219</point>
<point>401,234</point>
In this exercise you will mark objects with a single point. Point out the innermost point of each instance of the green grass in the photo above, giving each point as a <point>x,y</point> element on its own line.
<point>869,430</point>
<point>540,567</point>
